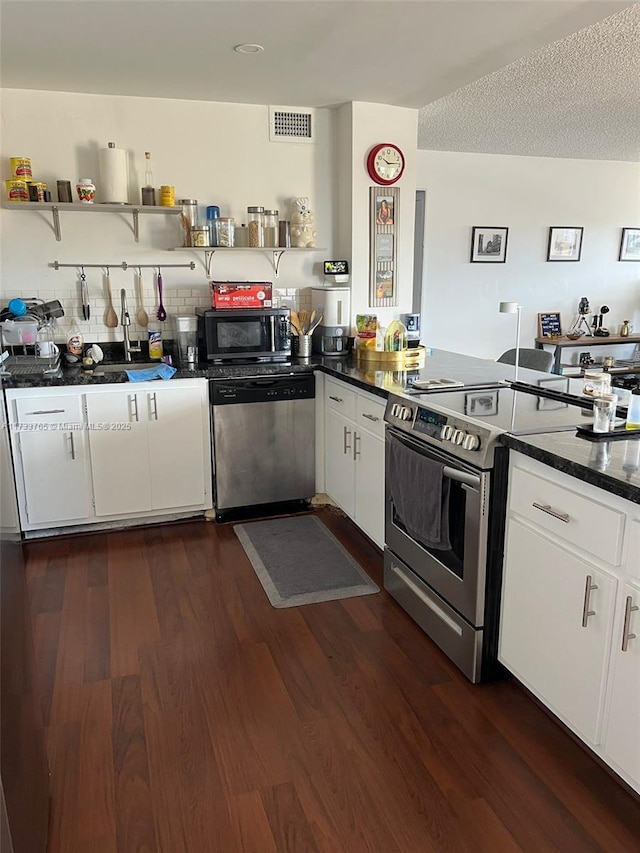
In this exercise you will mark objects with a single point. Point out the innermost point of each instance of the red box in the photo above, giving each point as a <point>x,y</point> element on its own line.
<point>241,294</point>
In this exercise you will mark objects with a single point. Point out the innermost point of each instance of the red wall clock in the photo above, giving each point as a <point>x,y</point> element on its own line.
<point>385,163</point>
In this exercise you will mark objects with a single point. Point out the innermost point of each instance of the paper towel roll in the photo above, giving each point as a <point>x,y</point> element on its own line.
<point>113,175</point>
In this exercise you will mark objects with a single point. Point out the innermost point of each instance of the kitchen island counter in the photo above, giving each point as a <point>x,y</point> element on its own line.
<point>610,465</point>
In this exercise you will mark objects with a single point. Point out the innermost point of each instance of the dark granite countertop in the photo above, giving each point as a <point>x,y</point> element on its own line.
<point>612,465</point>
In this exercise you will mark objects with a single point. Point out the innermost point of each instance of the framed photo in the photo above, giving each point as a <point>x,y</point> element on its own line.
<point>481,403</point>
<point>565,244</point>
<point>488,245</point>
<point>383,252</point>
<point>630,245</point>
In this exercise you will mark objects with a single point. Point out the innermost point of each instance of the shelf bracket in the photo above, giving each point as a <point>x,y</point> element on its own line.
<point>55,212</point>
<point>136,224</point>
<point>276,261</point>
<point>208,260</point>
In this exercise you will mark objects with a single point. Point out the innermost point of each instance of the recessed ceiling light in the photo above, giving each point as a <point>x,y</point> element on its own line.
<point>248,48</point>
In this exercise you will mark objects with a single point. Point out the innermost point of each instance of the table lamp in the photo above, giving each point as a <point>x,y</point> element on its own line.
<point>514,308</point>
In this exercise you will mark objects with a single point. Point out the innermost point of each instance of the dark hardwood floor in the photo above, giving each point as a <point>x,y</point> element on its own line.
<point>184,713</point>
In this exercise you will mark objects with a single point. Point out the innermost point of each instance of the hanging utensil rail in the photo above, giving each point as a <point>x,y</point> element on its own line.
<point>124,265</point>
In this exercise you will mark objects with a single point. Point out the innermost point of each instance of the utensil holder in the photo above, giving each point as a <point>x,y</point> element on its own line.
<point>301,345</point>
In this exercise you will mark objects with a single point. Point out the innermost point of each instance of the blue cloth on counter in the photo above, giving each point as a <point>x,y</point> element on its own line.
<point>159,371</point>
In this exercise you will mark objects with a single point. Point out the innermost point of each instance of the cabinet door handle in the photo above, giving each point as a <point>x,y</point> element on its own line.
<point>72,447</point>
<point>629,607</point>
<point>346,447</point>
<point>561,516</point>
<point>154,411</point>
<point>356,452</point>
<point>133,407</point>
<point>46,412</point>
<point>336,399</point>
<point>588,587</point>
<point>373,418</point>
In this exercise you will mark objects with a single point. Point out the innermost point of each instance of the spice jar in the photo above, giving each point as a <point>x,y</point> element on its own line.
<point>271,228</point>
<point>225,232</point>
<point>595,384</point>
<point>255,226</point>
<point>200,236</point>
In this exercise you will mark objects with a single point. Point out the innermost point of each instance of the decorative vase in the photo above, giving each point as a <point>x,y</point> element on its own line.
<point>86,190</point>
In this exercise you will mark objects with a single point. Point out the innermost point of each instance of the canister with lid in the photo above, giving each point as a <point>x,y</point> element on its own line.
<point>200,236</point>
<point>189,217</point>
<point>255,225</point>
<point>225,232</point>
<point>595,384</point>
<point>271,227</point>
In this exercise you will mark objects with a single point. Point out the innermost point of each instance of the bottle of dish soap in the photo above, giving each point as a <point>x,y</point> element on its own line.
<point>395,337</point>
<point>75,341</point>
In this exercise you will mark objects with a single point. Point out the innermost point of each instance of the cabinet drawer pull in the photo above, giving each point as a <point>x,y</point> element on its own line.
<point>47,412</point>
<point>561,516</point>
<point>133,407</point>
<point>629,607</point>
<point>72,446</point>
<point>374,418</point>
<point>154,411</point>
<point>588,587</point>
<point>336,399</point>
<point>356,452</point>
<point>346,447</point>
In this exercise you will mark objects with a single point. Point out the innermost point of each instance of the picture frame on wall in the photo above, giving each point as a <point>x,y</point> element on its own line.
<point>488,244</point>
<point>565,243</point>
<point>383,252</point>
<point>630,245</point>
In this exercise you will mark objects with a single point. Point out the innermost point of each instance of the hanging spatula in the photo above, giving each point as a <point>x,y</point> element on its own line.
<point>162,314</point>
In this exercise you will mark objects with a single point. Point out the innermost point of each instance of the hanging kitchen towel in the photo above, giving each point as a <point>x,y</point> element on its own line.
<point>420,494</point>
<point>114,184</point>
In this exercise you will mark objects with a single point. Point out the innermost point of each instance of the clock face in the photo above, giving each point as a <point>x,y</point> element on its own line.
<point>385,163</point>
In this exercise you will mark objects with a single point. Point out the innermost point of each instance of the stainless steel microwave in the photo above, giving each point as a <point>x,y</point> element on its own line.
<point>249,334</point>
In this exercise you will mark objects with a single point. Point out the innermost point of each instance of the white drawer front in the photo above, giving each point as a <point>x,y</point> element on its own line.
<point>370,414</point>
<point>50,410</point>
<point>588,524</point>
<point>341,399</point>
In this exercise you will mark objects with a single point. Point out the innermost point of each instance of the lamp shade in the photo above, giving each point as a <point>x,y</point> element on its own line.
<point>508,307</point>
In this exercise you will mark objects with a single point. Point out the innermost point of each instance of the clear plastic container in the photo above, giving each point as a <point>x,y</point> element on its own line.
<point>271,228</point>
<point>225,232</point>
<point>255,226</point>
<point>633,412</point>
<point>19,332</point>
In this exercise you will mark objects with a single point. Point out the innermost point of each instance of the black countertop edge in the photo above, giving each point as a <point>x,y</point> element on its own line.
<point>336,373</point>
<point>615,486</point>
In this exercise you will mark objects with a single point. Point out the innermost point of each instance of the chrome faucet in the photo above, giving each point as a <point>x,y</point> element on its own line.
<point>125,320</point>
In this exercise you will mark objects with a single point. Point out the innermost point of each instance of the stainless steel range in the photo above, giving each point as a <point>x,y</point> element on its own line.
<point>446,480</point>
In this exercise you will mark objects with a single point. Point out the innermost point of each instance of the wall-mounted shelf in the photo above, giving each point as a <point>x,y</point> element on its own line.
<point>58,207</point>
<point>208,253</point>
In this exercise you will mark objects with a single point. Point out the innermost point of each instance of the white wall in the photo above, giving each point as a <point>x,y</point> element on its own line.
<point>217,153</point>
<point>527,195</point>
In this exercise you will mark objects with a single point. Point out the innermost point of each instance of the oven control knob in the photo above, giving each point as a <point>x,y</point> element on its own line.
<point>471,441</point>
<point>405,413</point>
<point>446,432</point>
<point>395,410</point>
<point>458,436</point>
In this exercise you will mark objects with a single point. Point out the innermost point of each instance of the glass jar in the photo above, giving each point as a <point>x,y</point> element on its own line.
<point>255,227</point>
<point>271,228</point>
<point>595,384</point>
<point>225,227</point>
<point>189,217</point>
<point>200,236</point>
<point>242,237</point>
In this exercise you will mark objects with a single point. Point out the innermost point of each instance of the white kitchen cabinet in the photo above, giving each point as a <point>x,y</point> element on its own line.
<point>354,455</point>
<point>153,456</point>
<point>546,637</point>
<point>622,734</point>
<point>50,459</point>
<point>569,627</point>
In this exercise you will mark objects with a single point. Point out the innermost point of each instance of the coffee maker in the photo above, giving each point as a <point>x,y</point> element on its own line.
<point>334,303</point>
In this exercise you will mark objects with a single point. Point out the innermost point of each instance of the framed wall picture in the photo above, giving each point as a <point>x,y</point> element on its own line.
<point>565,243</point>
<point>630,245</point>
<point>383,258</point>
<point>488,245</point>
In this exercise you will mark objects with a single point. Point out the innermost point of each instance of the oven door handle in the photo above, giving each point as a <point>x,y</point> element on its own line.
<point>450,473</point>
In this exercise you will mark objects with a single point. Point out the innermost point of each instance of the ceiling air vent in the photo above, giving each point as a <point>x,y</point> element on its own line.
<point>291,124</point>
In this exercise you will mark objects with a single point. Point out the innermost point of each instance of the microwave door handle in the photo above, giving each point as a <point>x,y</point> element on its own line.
<point>273,333</point>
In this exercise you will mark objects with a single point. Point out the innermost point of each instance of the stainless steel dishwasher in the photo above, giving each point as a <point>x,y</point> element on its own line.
<point>263,440</point>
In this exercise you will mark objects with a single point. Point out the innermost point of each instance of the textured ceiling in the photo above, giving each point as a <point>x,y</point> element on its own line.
<point>577,97</point>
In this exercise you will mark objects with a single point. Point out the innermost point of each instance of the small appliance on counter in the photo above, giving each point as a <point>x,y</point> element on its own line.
<point>334,304</point>
<point>412,325</point>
